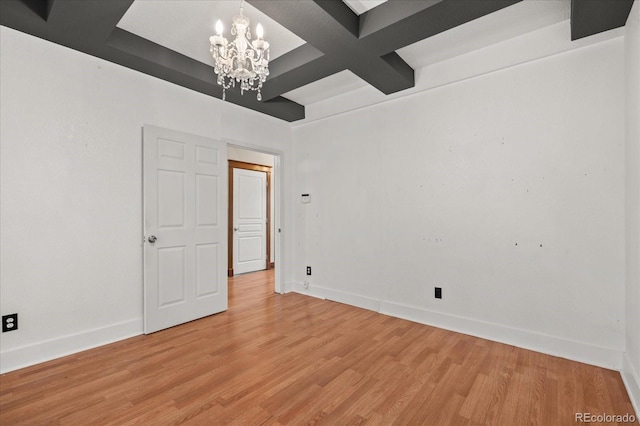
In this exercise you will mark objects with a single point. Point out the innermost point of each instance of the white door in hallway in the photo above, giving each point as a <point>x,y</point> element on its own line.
<point>249,221</point>
<point>185,227</point>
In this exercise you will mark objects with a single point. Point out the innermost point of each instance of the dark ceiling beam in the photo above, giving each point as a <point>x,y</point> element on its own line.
<point>339,11</point>
<point>293,77</point>
<point>27,7</point>
<point>391,13</point>
<point>293,59</point>
<point>392,74</point>
<point>364,44</point>
<point>396,24</point>
<point>589,17</point>
<point>331,27</point>
<point>90,27</point>
<point>296,68</point>
<point>50,5</point>
<point>77,24</point>
<point>86,24</point>
<point>137,53</point>
<point>321,26</point>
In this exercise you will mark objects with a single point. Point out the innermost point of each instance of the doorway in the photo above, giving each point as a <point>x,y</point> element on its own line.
<point>250,224</point>
<point>243,153</point>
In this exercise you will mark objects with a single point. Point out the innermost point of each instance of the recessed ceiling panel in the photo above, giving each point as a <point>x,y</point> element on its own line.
<point>507,23</point>
<point>342,82</point>
<point>361,6</point>
<point>185,26</point>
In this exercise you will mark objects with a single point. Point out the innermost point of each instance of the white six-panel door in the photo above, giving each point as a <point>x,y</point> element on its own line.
<point>185,226</point>
<point>249,221</point>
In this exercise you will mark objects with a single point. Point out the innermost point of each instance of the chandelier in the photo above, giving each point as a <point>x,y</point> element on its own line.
<point>240,61</point>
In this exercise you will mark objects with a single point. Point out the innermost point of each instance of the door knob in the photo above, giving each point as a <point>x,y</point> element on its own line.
<point>235,229</point>
<point>152,239</point>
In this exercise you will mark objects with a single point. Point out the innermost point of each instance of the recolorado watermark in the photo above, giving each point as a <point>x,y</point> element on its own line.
<point>605,418</point>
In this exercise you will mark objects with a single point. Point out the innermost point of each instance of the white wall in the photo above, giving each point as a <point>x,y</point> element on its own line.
<point>631,370</point>
<point>248,156</point>
<point>505,189</point>
<point>71,200</point>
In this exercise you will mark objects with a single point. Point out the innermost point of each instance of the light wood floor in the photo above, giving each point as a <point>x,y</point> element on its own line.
<point>291,359</point>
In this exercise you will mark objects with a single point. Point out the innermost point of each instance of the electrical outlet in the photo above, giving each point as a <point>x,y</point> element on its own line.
<point>438,293</point>
<point>308,270</point>
<point>9,322</point>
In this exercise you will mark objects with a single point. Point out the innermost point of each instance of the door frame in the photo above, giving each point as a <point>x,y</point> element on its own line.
<point>233,164</point>
<point>280,171</point>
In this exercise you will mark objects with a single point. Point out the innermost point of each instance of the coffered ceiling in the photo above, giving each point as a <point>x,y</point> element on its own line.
<point>319,48</point>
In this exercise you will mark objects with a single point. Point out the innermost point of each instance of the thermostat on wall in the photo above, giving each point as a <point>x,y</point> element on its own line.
<point>306,198</point>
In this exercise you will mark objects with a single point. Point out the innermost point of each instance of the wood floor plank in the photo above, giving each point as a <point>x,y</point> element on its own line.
<point>291,359</point>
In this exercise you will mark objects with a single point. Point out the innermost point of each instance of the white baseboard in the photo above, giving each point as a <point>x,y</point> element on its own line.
<point>314,291</point>
<point>576,351</point>
<point>288,287</point>
<point>26,356</point>
<point>352,299</point>
<point>631,381</point>
<point>338,296</point>
<point>587,353</point>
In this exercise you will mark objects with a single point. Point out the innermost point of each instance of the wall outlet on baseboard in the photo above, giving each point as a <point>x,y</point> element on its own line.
<point>305,285</point>
<point>9,322</point>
